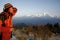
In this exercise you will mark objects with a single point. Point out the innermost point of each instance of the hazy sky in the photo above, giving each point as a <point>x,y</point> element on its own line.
<point>32,7</point>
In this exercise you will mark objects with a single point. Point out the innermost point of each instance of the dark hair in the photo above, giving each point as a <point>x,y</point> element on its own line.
<point>6,10</point>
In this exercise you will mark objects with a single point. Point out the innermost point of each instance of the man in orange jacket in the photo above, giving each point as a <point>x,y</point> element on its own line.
<point>6,26</point>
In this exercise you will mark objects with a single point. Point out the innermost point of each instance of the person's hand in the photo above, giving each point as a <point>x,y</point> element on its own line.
<point>14,10</point>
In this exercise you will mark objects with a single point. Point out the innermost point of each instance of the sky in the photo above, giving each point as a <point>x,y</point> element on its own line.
<point>34,7</point>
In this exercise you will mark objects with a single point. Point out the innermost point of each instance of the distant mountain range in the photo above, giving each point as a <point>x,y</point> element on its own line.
<point>33,20</point>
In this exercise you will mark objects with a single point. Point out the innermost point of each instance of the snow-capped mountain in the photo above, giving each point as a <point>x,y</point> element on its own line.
<point>37,19</point>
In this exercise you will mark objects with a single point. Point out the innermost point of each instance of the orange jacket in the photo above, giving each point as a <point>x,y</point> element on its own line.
<point>8,22</point>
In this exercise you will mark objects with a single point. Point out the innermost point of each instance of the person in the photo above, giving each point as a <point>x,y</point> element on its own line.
<point>6,25</point>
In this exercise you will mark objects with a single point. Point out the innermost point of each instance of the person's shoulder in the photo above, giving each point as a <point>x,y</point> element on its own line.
<point>2,13</point>
<point>3,16</point>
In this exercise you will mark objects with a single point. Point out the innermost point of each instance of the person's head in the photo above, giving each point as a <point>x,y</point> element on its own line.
<point>9,8</point>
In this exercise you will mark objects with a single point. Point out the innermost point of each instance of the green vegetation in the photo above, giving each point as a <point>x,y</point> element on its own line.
<point>43,32</point>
